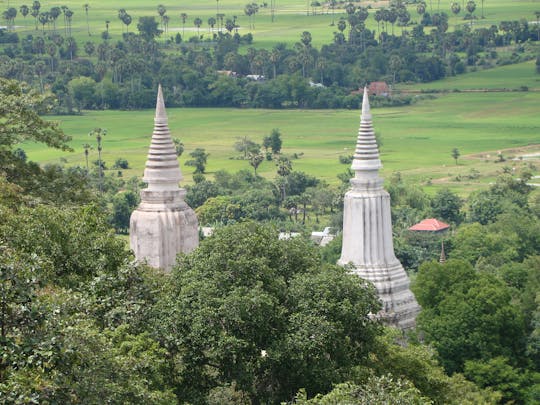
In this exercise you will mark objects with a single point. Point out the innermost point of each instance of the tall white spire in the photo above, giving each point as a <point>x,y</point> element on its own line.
<point>366,155</point>
<point>163,225</point>
<point>367,230</point>
<point>162,171</point>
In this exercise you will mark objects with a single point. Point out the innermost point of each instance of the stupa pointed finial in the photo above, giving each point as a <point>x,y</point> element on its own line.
<point>366,110</point>
<point>366,155</point>
<point>162,170</point>
<point>161,113</point>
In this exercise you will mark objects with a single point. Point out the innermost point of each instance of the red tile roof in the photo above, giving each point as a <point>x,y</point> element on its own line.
<point>430,225</point>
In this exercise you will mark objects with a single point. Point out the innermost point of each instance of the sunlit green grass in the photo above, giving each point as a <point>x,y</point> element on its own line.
<point>417,140</point>
<point>511,77</point>
<point>290,19</point>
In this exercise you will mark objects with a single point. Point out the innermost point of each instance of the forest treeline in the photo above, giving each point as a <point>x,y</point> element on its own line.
<point>227,71</point>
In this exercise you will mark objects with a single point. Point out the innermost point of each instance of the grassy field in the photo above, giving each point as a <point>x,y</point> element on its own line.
<point>505,77</point>
<point>291,17</point>
<point>417,140</point>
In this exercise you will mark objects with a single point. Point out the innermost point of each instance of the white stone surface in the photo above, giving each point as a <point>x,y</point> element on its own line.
<point>163,225</point>
<point>367,231</point>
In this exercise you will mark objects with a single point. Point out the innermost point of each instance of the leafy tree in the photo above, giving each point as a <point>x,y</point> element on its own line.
<point>199,157</point>
<point>178,146</point>
<point>82,89</point>
<point>201,191</point>
<point>148,28</point>
<point>121,163</point>
<point>498,374</point>
<point>123,204</point>
<point>255,159</point>
<point>264,316</point>
<point>446,205</point>
<point>274,141</point>
<point>77,242</point>
<point>455,154</point>
<point>480,244</point>
<point>376,390</point>
<point>219,210</point>
<point>467,318</point>
<point>246,146</point>
<point>20,109</point>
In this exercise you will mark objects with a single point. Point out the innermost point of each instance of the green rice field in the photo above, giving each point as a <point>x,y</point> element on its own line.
<point>417,140</point>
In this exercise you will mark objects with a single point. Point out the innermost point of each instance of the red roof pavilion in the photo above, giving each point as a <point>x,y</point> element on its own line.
<point>430,225</point>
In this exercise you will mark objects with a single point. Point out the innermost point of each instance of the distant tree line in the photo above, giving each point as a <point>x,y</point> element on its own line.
<point>219,71</point>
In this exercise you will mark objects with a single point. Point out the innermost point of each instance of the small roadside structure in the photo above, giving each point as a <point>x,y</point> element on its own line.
<point>379,89</point>
<point>323,238</point>
<point>430,225</point>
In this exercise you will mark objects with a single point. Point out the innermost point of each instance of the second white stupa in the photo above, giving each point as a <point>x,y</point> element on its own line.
<point>367,231</point>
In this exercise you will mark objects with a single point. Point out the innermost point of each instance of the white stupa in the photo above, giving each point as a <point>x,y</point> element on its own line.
<point>367,231</point>
<point>163,225</point>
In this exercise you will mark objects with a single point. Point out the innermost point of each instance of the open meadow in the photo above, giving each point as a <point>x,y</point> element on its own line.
<point>290,17</point>
<point>417,140</point>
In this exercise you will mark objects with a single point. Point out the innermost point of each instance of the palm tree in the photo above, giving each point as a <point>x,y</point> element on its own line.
<point>51,50</point>
<point>274,57</point>
<point>161,11</point>
<point>55,13</point>
<point>99,133</point>
<point>127,20</point>
<point>86,6</point>
<point>198,22</point>
<point>36,6</point>
<point>333,4</point>
<point>421,8</point>
<point>537,15</point>
<point>456,8</point>
<point>24,10</point>
<point>184,17</point>
<point>471,6</point>
<point>68,15</point>
<point>482,8</point>
<point>44,19</point>
<point>166,23</point>
<point>211,22</point>
<point>87,148</point>
<point>255,159</point>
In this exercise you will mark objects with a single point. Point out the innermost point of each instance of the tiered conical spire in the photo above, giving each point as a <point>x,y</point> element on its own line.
<point>367,230</point>
<point>162,171</point>
<point>366,156</point>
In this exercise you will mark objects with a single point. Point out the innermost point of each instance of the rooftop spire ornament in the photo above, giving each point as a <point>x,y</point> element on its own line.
<point>163,225</point>
<point>367,230</point>
<point>442,259</point>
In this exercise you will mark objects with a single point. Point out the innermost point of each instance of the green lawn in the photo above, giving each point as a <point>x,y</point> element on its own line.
<point>417,140</point>
<point>504,77</point>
